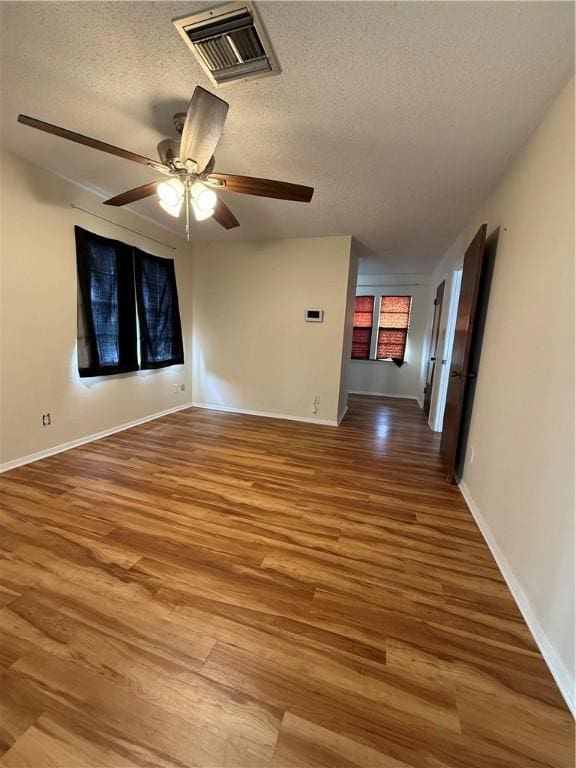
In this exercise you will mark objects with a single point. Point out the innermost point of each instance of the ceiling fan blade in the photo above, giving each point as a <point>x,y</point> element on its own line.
<point>204,123</point>
<point>248,185</point>
<point>224,216</point>
<point>79,138</point>
<point>138,193</point>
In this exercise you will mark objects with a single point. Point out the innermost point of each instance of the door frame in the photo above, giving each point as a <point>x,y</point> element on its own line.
<point>433,366</point>
<point>438,401</point>
<point>473,273</point>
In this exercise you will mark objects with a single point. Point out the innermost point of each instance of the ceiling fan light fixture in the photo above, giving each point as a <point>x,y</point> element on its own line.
<point>173,210</point>
<point>203,198</point>
<point>191,182</point>
<point>171,192</point>
<point>199,213</point>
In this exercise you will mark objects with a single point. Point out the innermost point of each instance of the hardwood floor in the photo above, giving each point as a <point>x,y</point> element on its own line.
<point>219,590</point>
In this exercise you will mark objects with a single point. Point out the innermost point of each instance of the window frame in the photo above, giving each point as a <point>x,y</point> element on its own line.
<point>86,333</point>
<point>378,296</point>
<point>385,327</point>
<point>130,311</point>
<point>370,328</point>
<point>146,358</point>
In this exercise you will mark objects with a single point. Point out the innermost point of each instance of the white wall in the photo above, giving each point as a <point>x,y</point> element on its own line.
<point>521,482</point>
<point>348,330</point>
<point>253,349</point>
<point>386,378</point>
<point>38,318</point>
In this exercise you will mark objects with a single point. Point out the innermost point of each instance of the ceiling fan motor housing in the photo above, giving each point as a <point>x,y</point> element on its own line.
<point>169,150</point>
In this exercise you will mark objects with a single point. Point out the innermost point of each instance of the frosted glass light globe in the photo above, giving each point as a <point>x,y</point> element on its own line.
<point>173,210</point>
<point>170,192</point>
<point>205,199</point>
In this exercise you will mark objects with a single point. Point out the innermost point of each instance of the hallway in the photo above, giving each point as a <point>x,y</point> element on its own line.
<point>219,590</point>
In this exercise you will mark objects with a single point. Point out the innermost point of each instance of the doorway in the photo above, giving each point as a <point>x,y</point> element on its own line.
<point>447,325</point>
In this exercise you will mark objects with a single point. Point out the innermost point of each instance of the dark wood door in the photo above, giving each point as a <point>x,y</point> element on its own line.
<point>434,338</point>
<point>459,364</point>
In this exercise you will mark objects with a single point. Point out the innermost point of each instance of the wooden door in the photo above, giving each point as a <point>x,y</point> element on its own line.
<point>459,365</point>
<point>434,338</point>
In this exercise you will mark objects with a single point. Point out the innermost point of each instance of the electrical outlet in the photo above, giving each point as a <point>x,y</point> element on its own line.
<point>182,387</point>
<point>46,420</point>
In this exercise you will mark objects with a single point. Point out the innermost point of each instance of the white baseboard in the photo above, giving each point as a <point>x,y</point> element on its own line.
<point>7,465</point>
<point>558,669</point>
<point>38,455</point>
<point>266,414</point>
<point>381,394</point>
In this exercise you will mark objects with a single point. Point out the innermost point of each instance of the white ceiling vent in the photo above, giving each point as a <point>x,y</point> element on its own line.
<point>229,42</point>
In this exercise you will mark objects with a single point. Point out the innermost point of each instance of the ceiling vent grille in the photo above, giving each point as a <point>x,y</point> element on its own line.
<point>229,43</point>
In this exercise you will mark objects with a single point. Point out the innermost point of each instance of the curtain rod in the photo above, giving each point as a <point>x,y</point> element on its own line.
<point>123,226</point>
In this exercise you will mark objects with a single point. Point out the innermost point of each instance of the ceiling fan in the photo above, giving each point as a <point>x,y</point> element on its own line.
<point>190,164</point>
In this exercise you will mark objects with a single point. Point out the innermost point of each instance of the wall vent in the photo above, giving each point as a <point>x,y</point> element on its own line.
<point>229,43</point>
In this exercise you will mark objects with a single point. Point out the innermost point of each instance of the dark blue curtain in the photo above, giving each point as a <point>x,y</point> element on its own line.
<point>107,306</point>
<point>158,312</point>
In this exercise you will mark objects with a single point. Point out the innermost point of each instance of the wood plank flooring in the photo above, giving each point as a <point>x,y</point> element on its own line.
<point>226,591</point>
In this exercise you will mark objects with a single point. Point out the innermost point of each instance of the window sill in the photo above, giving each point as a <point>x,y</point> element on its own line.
<point>371,360</point>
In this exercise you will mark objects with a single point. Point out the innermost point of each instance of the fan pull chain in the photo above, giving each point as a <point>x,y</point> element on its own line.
<point>187,206</point>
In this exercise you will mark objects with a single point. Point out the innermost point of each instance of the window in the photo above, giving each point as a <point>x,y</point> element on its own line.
<point>107,306</point>
<point>158,313</point>
<point>362,333</point>
<point>393,326</point>
<point>115,283</point>
<point>393,323</point>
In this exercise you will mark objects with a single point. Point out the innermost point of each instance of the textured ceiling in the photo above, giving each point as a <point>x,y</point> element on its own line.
<point>402,115</point>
